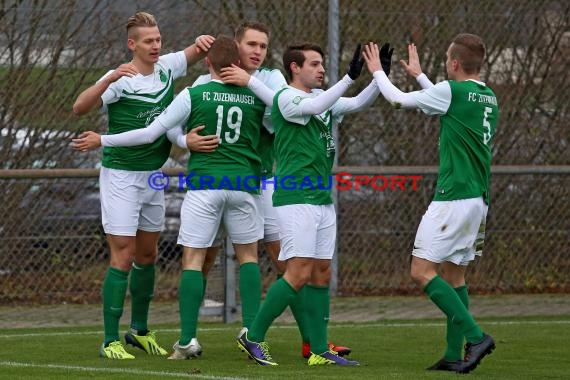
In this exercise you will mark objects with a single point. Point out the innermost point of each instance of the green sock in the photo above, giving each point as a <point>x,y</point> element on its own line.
<point>278,297</point>
<point>299,311</point>
<point>317,309</point>
<point>443,295</point>
<point>142,291</point>
<point>204,282</point>
<point>114,292</point>
<point>190,294</point>
<point>250,292</point>
<point>454,337</point>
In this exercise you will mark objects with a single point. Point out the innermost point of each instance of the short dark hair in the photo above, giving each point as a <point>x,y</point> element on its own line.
<point>469,50</point>
<point>295,53</point>
<point>223,52</point>
<point>240,30</point>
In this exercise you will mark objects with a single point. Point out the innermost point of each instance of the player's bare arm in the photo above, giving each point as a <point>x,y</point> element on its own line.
<point>91,97</point>
<point>412,67</point>
<point>198,143</point>
<point>198,49</point>
<point>87,141</point>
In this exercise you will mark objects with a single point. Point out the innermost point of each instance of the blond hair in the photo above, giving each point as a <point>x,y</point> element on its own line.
<point>139,19</point>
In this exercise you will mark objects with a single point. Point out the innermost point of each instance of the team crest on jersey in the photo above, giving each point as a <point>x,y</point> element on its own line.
<point>162,76</point>
<point>297,100</point>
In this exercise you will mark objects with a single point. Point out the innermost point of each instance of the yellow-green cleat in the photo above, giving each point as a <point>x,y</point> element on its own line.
<point>330,357</point>
<point>114,350</point>
<point>147,343</point>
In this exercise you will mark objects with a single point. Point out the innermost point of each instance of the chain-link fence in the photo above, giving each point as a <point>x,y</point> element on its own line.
<point>52,247</point>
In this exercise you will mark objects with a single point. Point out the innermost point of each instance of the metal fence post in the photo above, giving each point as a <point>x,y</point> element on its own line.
<point>333,64</point>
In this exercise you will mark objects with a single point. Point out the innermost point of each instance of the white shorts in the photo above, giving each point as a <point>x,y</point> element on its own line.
<point>203,211</point>
<point>307,231</point>
<point>452,231</point>
<point>270,225</point>
<point>128,203</point>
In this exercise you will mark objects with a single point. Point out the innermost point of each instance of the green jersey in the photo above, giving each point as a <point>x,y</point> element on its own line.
<point>273,79</point>
<point>234,114</point>
<point>304,150</point>
<point>133,103</point>
<point>468,118</point>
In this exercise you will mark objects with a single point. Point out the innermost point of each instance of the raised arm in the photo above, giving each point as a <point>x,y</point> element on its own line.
<point>388,90</point>
<point>238,76</point>
<point>91,97</point>
<point>198,49</point>
<point>326,99</point>
<point>413,67</point>
<point>359,102</point>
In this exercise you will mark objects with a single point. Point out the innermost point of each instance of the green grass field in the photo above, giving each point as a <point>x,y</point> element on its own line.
<point>527,348</point>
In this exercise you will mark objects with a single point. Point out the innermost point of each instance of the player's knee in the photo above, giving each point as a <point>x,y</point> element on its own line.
<point>146,257</point>
<point>418,276</point>
<point>122,262</point>
<point>298,279</point>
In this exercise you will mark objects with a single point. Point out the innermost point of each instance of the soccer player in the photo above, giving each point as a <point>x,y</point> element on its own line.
<point>132,95</point>
<point>253,40</point>
<point>223,185</point>
<point>451,232</point>
<point>303,117</point>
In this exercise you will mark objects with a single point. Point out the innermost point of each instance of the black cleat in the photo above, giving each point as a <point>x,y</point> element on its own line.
<point>474,353</point>
<point>445,365</point>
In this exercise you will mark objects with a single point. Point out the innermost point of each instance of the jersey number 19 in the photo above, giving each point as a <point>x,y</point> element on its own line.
<point>233,121</point>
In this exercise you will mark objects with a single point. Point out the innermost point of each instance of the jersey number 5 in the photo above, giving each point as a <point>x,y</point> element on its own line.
<point>486,125</point>
<point>233,121</point>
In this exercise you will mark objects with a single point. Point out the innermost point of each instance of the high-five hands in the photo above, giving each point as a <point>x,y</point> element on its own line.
<point>371,56</point>
<point>356,64</point>
<point>378,59</point>
<point>386,57</point>
<point>413,66</point>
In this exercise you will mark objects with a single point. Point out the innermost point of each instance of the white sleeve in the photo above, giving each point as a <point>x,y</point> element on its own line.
<point>202,79</point>
<point>261,90</point>
<point>424,81</point>
<point>111,94</point>
<point>434,100</point>
<point>298,109</point>
<point>173,116</point>
<point>176,62</point>
<point>275,81</point>
<point>177,137</point>
<point>357,103</point>
<point>392,93</point>
<point>135,137</point>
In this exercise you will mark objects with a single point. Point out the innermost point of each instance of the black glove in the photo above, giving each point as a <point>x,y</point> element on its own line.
<point>386,57</point>
<point>356,64</point>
